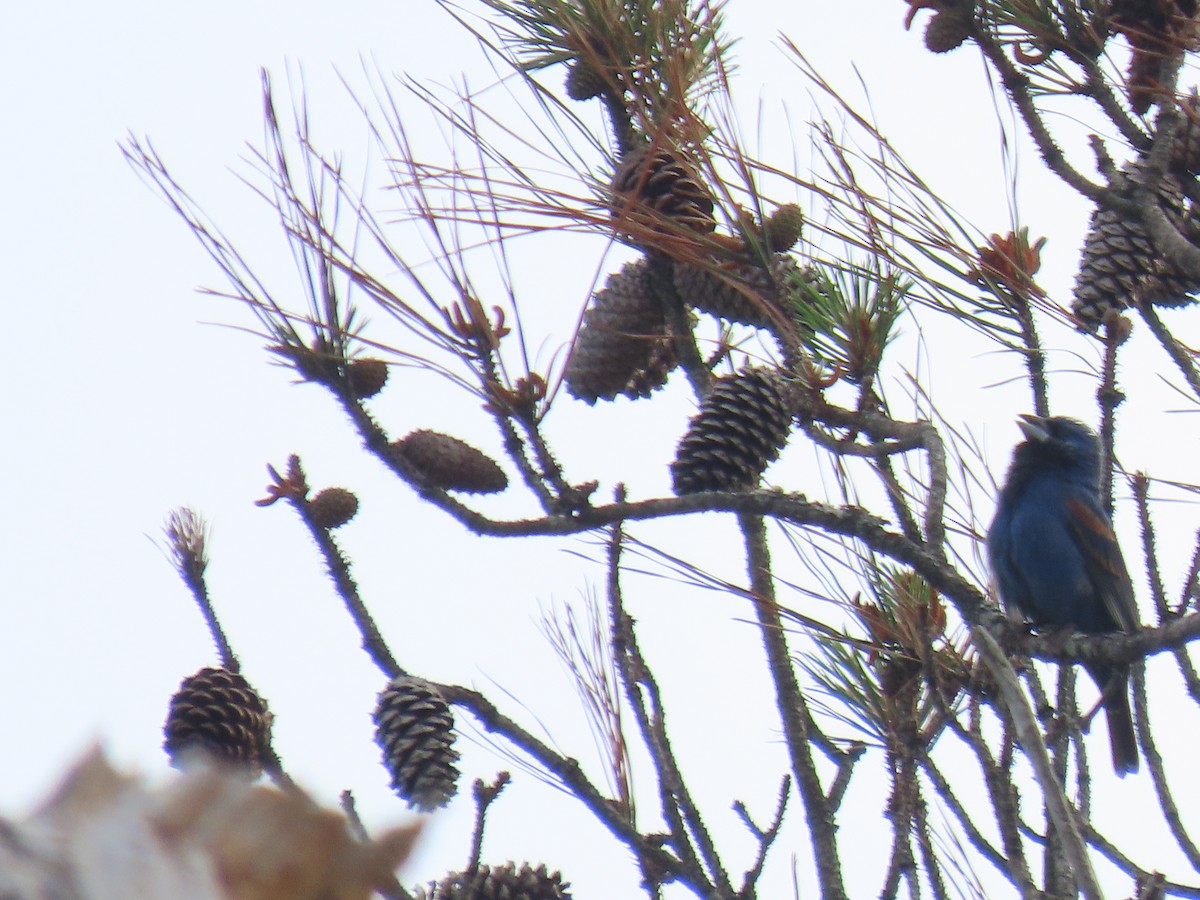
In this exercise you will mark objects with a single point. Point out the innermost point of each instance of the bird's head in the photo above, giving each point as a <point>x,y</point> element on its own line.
<point>1059,440</point>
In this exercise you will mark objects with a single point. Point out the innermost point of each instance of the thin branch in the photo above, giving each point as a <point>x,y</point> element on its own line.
<point>1116,330</point>
<point>793,709</point>
<point>568,771</point>
<point>764,836</point>
<point>1030,738</point>
<point>485,795</point>
<point>295,490</point>
<point>187,537</point>
<point>1158,775</point>
<point>1158,592</point>
<point>678,808</point>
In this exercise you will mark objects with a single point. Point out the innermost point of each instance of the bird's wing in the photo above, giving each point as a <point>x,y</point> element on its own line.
<point>1102,557</point>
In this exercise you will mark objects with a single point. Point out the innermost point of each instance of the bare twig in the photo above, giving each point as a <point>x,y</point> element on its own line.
<point>485,795</point>
<point>690,837</point>
<point>1058,809</point>
<point>793,709</point>
<point>764,836</point>
<point>294,489</point>
<point>187,537</point>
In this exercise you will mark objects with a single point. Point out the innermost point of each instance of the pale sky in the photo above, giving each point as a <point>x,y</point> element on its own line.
<point>123,401</point>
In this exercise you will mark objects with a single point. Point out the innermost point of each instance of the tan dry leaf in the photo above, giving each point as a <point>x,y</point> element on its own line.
<point>103,835</point>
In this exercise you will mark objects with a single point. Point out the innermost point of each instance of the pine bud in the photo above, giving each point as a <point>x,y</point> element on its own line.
<point>783,228</point>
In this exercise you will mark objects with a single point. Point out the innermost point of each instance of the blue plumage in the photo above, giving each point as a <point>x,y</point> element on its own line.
<point>1055,557</point>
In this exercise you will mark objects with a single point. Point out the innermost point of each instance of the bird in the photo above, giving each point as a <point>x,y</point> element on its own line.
<point>1055,558</point>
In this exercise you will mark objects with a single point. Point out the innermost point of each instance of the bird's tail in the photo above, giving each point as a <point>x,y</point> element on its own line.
<point>1114,685</point>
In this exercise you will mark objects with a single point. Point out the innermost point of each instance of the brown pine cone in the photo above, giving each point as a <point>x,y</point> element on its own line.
<point>415,730</point>
<point>505,882</point>
<point>583,81</point>
<point>623,345</point>
<point>450,464</point>
<point>333,508</point>
<point>367,376</point>
<point>947,31</point>
<point>1159,32</point>
<point>1121,267</point>
<point>742,425</point>
<point>218,715</point>
<point>655,189</point>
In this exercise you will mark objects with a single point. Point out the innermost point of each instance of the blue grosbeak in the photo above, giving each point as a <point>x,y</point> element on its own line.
<point>1055,557</point>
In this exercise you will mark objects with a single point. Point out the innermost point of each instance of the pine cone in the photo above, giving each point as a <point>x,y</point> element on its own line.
<point>623,345</point>
<point>583,81</point>
<point>449,463</point>
<point>367,376</point>
<point>216,713</point>
<point>783,228</point>
<point>1121,266</point>
<point>652,188</point>
<point>724,293</point>
<point>742,425</point>
<point>333,508</point>
<point>505,882</point>
<point>1158,32</point>
<point>415,729</point>
<point>947,30</point>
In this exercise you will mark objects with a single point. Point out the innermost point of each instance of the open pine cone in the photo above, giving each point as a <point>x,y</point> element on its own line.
<point>623,345</point>
<point>505,882</point>
<point>218,715</point>
<point>415,729</point>
<point>656,192</point>
<point>742,425</point>
<point>1121,267</point>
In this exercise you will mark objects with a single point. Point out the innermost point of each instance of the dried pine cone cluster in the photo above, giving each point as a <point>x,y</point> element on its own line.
<point>742,425</point>
<point>218,715</point>
<point>505,882</point>
<point>623,345</point>
<point>415,730</point>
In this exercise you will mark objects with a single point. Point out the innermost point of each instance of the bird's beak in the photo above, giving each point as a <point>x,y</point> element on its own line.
<point>1034,428</point>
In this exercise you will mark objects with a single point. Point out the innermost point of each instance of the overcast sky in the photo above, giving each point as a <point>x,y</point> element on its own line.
<point>122,400</point>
